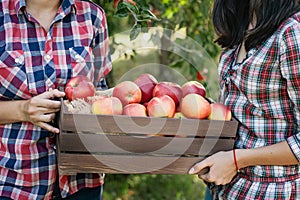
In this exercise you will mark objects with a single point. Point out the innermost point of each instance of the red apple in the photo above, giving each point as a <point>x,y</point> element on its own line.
<point>116,2</point>
<point>107,106</point>
<point>135,109</point>
<point>145,104</point>
<point>168,88</point>
<point>146,83</point>
<point>162,106</point>
<point>79,87</point>
<point>131,1</point>
<point>219,112</point>
<point>193,87</point>
<point>91,100</point>
<point>195,106</point>
<point>128,92</point>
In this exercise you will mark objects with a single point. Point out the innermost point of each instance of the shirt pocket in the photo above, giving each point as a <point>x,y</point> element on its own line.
<point>13,77</point>
<point>82,61</point>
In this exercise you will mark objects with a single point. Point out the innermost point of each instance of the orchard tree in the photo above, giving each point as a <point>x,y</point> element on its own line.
<point>195,58</point>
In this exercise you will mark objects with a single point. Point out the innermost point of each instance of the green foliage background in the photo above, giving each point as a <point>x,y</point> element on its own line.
<point>153,187</point>
<point>193,19</point>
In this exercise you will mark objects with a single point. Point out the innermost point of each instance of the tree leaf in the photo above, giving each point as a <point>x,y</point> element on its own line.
<point>142,3</point>
<point>123,12</point>
<point>144,26</point>
<point>131,7</point>
<point>135,31</point>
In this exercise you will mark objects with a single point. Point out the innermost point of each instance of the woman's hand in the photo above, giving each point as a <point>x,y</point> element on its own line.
<point>221,168</point>
<point>41,109</point>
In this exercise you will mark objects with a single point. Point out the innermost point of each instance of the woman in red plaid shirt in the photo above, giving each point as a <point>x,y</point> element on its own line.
<point>259,74</point>
<point>42,45</point>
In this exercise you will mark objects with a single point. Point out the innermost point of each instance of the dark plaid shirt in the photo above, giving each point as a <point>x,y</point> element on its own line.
<point>263,93</point>
<point>33,61</point>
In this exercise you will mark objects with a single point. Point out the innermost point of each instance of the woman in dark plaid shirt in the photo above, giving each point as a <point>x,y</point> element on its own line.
<point>259,74</point>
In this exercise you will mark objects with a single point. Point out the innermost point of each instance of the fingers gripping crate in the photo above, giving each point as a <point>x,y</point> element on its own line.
<point>136,145</point>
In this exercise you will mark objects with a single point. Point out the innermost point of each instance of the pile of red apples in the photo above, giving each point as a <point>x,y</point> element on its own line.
<point>146,97</point>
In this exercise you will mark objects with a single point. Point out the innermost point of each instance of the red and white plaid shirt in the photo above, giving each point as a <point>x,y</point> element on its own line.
<point>32,61</point>
<point>263,94</point>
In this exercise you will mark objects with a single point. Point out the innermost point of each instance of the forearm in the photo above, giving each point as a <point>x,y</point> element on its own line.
<point>12,111</point>
<point>277,154</point>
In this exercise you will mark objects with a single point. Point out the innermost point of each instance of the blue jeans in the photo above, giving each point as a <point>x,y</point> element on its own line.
<point>208,195</point>
<point>86,193</point>
<point>83,194</point>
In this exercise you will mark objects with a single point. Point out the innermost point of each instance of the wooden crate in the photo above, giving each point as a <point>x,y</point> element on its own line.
<point>137,145</point>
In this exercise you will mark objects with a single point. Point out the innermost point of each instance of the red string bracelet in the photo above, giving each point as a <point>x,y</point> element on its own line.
<point>235,162</point>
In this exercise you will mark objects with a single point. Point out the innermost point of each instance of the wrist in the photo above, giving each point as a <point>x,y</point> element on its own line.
<point>6,114</point>
<point>22,107</point>
<point>235,161</point>
<point>241,158</point>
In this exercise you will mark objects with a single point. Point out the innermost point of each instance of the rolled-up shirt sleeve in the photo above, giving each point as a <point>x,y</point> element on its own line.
<point>290,68</point>
<point>294,143</point>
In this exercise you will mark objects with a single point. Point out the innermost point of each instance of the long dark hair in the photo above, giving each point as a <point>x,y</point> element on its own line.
<point>231,19</point>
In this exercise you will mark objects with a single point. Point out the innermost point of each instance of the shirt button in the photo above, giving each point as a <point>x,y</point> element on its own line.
<point>19,60</point>
<point>227,81</point>
<point>78,58</point>
<point>47,57</point>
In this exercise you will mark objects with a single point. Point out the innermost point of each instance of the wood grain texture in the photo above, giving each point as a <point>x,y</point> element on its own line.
<point>119,124</point>
<point>130,164</point>
<point>125,144</point>
<point>134,145</point>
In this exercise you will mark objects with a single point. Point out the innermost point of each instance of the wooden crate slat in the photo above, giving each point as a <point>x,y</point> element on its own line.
<point>132,144</point>
<point>147,125</point>
<point>116,164</point>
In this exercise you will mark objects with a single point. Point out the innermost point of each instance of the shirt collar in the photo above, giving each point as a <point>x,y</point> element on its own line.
<point>19,4</point>
<point>66,5</point>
